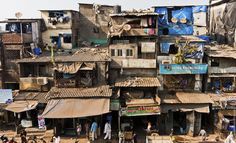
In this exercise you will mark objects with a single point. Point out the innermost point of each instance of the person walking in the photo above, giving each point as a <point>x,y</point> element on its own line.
<point>23,136</point>
<point>78,129</point>
<point>107,130</point>
<point>86,127</point>
<point>93,129</point>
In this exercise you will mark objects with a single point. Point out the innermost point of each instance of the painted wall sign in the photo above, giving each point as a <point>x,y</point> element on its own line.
<point>183,68</point>
<point>140,111</point>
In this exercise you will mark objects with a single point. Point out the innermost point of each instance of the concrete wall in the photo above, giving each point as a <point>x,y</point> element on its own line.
<point>95,26</point>
<point>55,32</point>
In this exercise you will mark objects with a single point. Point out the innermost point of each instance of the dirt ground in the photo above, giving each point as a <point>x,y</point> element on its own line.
<point>47,136</point>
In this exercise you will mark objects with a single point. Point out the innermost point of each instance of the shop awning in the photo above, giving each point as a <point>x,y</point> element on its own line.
<point>74,108</point>
<point>228,112</point>
<point>21,106</point>
<point>201,108</point>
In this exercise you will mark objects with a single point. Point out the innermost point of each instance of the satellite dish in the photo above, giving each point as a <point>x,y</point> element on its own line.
<point>18,15</point>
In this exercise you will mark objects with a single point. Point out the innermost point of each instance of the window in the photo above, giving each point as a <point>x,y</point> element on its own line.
<point>215,63</point>
<point>129,52</point>
<point>113,52</point>
<point>67,38</point>
<point>173,49</point>
<point>119,52</point>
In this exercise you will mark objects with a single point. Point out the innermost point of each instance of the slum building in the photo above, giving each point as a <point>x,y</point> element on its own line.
<point>184,107</point>
<point>62,29</point>
<point>94,18</point>
<point>220,84</point>
<point>20,38</point>
<point>133,69</point>
<point>59,84</point>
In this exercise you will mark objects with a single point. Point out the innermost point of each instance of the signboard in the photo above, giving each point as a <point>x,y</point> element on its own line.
<point>114,105</point>
<point>5,95</point>
<point>140,111</point>
<point>148,47</point>
<point>41,122</point>
<point>183,68</point>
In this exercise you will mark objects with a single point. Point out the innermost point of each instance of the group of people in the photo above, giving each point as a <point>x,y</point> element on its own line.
<point>93,130</point>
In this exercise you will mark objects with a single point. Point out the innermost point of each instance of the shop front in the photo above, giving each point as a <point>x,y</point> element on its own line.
<point>184,113</point>
<point>68,107</point>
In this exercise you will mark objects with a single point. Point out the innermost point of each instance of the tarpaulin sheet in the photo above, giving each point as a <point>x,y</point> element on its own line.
<point>162,18</point>
<point>74,108</point>
<point>180,29</point>
<point>165,47</point>
<point>183,13</point>
<point>201,108</point>
<point>21,106</point>
<point>202,8</point>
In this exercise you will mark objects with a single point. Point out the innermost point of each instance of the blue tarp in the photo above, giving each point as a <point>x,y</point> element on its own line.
<point>180,29</point>
<point>197,9</point>
<point>162,19</point>
<point>183,13</point>
<point>165,47</point>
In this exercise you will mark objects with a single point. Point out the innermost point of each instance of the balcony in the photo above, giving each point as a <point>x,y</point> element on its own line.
<point>219,70</point>
<point>133,63</point>
<point>15,38</point>
<point>141,32</point>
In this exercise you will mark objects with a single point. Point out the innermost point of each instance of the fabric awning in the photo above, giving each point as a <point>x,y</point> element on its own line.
<point>201,108</point>
<point>72,68</point>
<point>21,106</point>
<point>74,108</point>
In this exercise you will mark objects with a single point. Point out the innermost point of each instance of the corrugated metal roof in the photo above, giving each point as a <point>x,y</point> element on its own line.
<point>83,54</point>
<point>193,97</point>
<point>59,93</point>
<point>134,14</point>
<point>35,96</point>
<point>221,51</point>
<point>138,82</point>
<point>185,98</point>
<point>189,38</point>
<point>169,99</point>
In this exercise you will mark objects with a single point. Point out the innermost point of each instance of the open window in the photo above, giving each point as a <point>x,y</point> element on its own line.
<point>113,52</point>
<point>215,62</point>
<point>129,52</point>
<point>67,38</point>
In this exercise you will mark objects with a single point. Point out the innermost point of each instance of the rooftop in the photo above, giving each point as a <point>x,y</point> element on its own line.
<point>138,82</point>
<point>31,96</point>
<point>82,54</point>
<point>59,93</point>
<point>221,51</point>
<point>181,38</point>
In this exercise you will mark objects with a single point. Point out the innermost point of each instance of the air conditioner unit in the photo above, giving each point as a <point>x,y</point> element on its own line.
<point>42,80</point>
<point>166,62</point>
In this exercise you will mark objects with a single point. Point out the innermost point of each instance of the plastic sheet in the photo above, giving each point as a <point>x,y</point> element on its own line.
<point>163,18</point>
<point>197,9</point>
<point>180,29</point>
<point>165,47</point>
<point>183,13</point>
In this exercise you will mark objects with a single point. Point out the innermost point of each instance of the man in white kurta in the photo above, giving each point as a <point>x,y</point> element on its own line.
<point>107,130</point>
